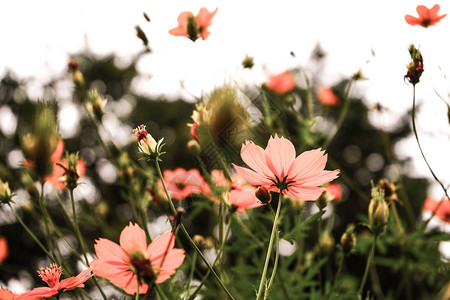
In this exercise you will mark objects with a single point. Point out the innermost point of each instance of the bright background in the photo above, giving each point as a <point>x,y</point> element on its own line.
<point>41,36</point>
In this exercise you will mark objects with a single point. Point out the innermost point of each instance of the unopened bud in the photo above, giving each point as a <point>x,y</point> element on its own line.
<point>348,239</point>
<point>192,29</point>
<point>248,62</point>
<point>378,208</point>
<point>415,67</point>
<point>389,190</point>
<point>263,195</point>
<point>5,192</point>
<point>77,78</point>
<point>194,147</point>
<point>96,104</point>
<point>71,172</point>
<point>146,143</point>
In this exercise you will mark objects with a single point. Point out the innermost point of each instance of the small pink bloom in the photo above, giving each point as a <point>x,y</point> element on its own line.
<point>3,249</point>
<point>328,97</point>
<point>443,212</point>
<point>124,264</point>
<point>277,169</point>
<point>427,17</point>
<point>194,27</point>
<point>181,183</point>
<point>281,83</point>
<point>335,192</point>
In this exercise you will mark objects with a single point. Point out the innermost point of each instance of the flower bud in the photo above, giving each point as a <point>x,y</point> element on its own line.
<point>326,243</point>
<point>263,195</point>
<point>141,35</point>
<point>378,208</point>
<point>194,147</point>
<point>248,62</point>
<point>389,190</point>
<point>95,104</point>
<point>193,131</point>
<point>5,192</point>
<point>192,28</point>
<point>146,143</point>
<point>348,239</point>
<point>71,172</point>
<point>415,67</point>
<point>297,204</point>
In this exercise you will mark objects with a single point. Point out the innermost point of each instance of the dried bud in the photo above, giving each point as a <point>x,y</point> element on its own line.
<point>415,67</point>
<point>358,75</point>
<point>5,192</point>
<point>389,190</point>
<point>199,240</point>
<point>263,195</point>
<point>73,65</point>
<point>147,18</point>
<point>348,239</point>
<point>96,104</point>
<point>248,62</point>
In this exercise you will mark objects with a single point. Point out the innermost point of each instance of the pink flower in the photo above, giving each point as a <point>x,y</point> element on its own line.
<point>124,264</point>
<point>52,275</point>
<point>244,198</point>
<point>443,212</point>
<point>277,169</point>
<point>194,27</point>
<point>281,83</point>
<point>181,183</point>
<point>334,192</point>
<point>427,17</point>
<point>3,249</point>
<point>8,295</point>
<point>328,97</point>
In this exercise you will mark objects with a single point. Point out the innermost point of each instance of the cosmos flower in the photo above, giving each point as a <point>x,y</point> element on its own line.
<point>334,192</point>
<point>147,143</point>
<point>281,83</point>
<point>328,97</point>
<point>427,17</point>
<point>277,169</point>
<point>192,26</point>
<point>133,260</point>
<point>52,276</point>
<point>182,183</point>
<point>8,295</point>
<point>443,212</point>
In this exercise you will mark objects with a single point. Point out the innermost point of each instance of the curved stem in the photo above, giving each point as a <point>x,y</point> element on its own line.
<point>275,264</point>
<point>413,117</point>
<point>269,248</point>
<point>174,211</point>
<point>369,262</point>
<point>137,289</point>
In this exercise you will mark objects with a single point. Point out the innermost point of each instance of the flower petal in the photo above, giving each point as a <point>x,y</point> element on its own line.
<point>133,239</point>
<point>304,193</point>
<point>321,178</point>
<point>73,282</point>
<point>252,177</point>
<point>204,17</point>
<point>412,20</point>
<point>107,250</point>
<point>131,287</point>
<point>280,154</point>
<point>171,262</point>
<point>119,274</point>
<point>307,163</point>
<point>161,246</point>
<point>254,156</point>
<point>245,198</point>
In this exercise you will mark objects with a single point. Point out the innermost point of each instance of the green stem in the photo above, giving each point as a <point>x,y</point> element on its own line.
<point>46,221</point>
<point>369,262</point>
<point>342,116</point>
<point>80,239</point>
<point>174,211</point>
<point>413,117</point>
<point>31,233</point>
<point>275,264</point>
<point>336,277</point>
<point>269,249</point>
<point>137,289</point>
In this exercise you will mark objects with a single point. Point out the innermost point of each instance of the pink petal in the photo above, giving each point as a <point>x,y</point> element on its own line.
<point>133,238</point>
<point>280,154</point>
<point>304,193</point>
<point>178,31</point>
<point>434,11</point>
<point>131,287</point>
<point>255,157</point>
<point>56,156</point>
<point>161,246</point>
<point>307,163</point>
<point>204,17</point>
<point>412,20</point>
<point>73,282</point>
<point>252,177</point>
<point>37,293</point>
<point>245,198</point>
<point>119,274</point>
<point>321,178</point>
<point>423,11</point>
<point>171,262</point>
<point>109,251</point>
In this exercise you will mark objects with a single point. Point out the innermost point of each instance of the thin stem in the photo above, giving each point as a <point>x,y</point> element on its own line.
<point>137,289</point>
<point>413,117</point>
<point>342,116</point>
<point>174,211</point>
<point>191,275</point>
<point>275,264</point>
<point>269,249</point>
<point>31,233</point>
<point>336,277</point>
<point>46,217</point>
<point>369,262</point>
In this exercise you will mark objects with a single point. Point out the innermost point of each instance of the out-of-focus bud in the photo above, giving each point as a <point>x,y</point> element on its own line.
<point>96,104</point>
<point>5,193</point>
<point>326,243</point>
<point>194,147</point>
<point>102,208</point>
<point>125,170</point>
<point>415,67</point>
<point>263,195</point>
<point>389,190</point>
<point>77,76</point>
<point>348,239</point>
<point>333,193</point>
<point>71,172</point>
<point>378,208</point>
<point>199,240</point>
<point>147,18</point>
<point>141,35</point>
<point>39,144</point>
<point>248,62</point>
<point>358,75</point>
<point>193,131</point>
<point>146,142</point>
<point>30,186</point>
<point>322,201</point>
<point>193,30</point>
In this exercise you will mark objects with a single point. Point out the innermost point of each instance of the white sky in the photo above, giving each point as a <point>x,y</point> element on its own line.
<point>39,36</point>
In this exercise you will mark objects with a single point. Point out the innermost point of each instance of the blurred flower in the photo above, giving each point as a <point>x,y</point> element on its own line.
<point>192,26</point>
<point>281,83</point>
<point>52,275</point>
<point>219,179</point>
<point>244,198</point>
<point>147,143</point>
<point>277,169</point>
<point>328,97</point>
<point>348,239</point>
<point>3,249</point>
<point>96,104</point>
<point>132,261</point>
<point>443,208</point>
<point>427,17</point>
<point>334,192</point>
<point>8,295</point>
<point>193,130</point>
<point>415,67</point>
<point>181,183</point>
